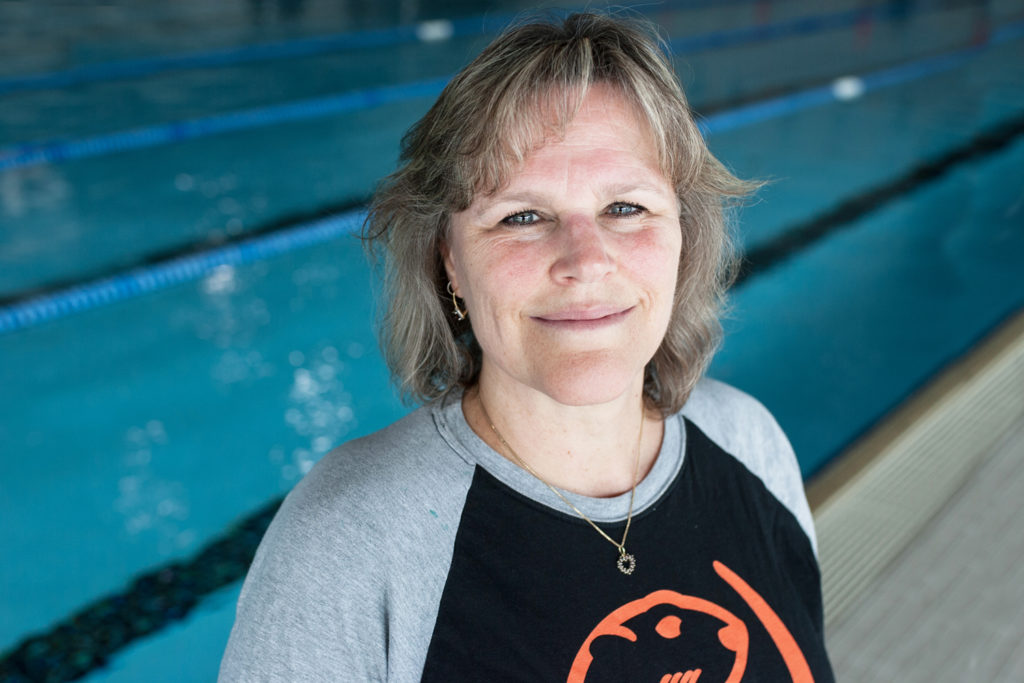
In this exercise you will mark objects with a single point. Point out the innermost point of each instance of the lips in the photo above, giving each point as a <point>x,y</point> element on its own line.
<point>589,317</point>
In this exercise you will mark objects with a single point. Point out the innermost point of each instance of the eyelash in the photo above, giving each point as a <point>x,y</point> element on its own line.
<point>507,220</point>
<point>638,210</point>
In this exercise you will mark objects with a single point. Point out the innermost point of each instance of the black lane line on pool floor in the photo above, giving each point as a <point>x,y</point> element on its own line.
<point>87,640</point>
<point>802,235</point>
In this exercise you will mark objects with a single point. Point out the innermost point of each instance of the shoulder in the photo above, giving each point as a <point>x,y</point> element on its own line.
<point>736,421</point>
<point>382,486</point>
<point>367,482</point>
<point>741,426</point>
<point>343,549</point>
<point>407,454</point>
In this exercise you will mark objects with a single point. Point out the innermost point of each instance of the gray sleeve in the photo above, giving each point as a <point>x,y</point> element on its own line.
<point>292,623</point>
<point>745,429</point>
<point>347,580</point>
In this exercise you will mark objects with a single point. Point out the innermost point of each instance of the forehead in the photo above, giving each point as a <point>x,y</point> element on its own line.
<point>563,119</point>
<point>600,131</point>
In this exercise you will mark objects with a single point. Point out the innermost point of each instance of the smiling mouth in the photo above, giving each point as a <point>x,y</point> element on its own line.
<point>584,319</point>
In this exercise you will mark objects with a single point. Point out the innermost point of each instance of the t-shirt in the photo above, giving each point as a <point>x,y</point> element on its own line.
<point>419,553</point>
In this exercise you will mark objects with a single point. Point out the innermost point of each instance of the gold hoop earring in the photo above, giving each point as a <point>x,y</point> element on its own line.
<point>459,313</point>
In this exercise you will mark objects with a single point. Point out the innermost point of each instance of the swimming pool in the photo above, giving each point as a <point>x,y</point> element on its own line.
<point>137,428</point>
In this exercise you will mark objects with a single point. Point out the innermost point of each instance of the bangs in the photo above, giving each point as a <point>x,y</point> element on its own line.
<point>523,122</point>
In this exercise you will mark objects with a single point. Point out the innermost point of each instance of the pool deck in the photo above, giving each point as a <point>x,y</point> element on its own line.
<point>946,604</point>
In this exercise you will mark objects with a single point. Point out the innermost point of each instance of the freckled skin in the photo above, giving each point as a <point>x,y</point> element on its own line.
<point>569,271</point>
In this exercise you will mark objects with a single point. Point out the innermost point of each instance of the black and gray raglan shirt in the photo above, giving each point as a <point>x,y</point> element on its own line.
<point>418,553</point>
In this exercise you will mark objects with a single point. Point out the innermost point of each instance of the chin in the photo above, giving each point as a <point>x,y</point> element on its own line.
<point>584,382</point>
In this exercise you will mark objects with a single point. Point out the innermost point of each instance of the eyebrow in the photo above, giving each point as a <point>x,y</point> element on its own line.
<point>537,198</point>
<point>516,198</point>
<point>636,186</point>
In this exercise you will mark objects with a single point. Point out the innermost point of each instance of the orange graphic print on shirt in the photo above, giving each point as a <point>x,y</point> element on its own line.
<point>731,635</point>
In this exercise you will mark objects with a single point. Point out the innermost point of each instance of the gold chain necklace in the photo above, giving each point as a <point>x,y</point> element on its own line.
<point>626,562</point>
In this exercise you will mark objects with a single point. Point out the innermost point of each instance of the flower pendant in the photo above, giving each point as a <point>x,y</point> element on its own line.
<point>626,563</point>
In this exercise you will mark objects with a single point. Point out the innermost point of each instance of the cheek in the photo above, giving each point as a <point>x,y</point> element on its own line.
<point>656,265</point>
<point>517,265</point>
<point>502,274</point>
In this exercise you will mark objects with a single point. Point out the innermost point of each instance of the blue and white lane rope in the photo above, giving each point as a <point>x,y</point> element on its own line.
<point>136,282</point>
<point>148,279</point>
<point>816,23</point>
<point>151,136</point>
<point>30,154</point>
<point>850,87</point>
<point>428,31</point>
<point>424,31</point>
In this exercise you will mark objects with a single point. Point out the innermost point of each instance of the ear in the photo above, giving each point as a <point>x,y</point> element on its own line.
<point>449,266</point>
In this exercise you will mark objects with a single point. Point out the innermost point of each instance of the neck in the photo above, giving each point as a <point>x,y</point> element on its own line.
<point>590,450</point>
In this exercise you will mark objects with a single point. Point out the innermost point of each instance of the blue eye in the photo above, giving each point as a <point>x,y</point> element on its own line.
<point>520,218</point>
<point>625,209</point>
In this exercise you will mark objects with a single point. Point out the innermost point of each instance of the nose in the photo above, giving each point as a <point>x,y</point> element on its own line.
<point>584,253</point>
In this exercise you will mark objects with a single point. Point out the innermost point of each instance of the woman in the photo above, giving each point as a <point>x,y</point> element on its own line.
<point>572,502</point>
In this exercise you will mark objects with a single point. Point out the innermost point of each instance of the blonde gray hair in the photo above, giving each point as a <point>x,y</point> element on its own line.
<point>531,80</point>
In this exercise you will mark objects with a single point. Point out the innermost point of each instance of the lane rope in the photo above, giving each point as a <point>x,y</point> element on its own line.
<point>139,281</point>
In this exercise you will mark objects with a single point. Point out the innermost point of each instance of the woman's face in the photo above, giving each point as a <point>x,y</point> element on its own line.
<point>569,271</point>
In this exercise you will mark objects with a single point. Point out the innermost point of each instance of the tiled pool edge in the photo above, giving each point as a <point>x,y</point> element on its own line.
<point>872,501</point>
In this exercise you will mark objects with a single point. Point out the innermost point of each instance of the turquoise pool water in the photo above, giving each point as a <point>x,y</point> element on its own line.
<point>133,433</point>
